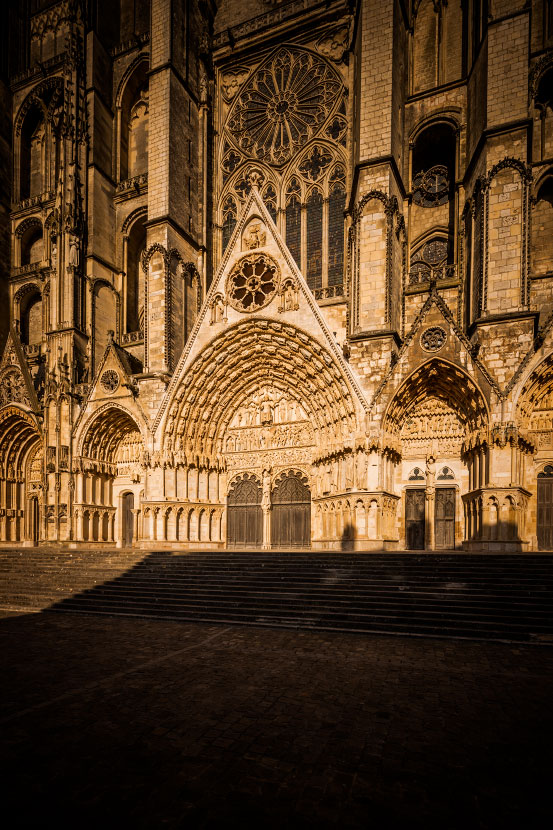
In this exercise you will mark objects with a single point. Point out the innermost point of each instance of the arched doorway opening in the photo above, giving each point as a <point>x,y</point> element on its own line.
<point>244,513</point>
<point>110,468</point>
<point>432,416</point>
<point>20,476</point>
<point>291,511</point>
<point>127,519</point>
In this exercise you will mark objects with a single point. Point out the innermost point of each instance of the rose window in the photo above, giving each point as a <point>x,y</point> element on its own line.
<point>284,105</point>
<point>433,339</point>
<point>253,283</point>
<point>109,380</point>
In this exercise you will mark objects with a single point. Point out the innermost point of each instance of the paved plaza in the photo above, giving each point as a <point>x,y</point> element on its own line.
<point>133,723</point>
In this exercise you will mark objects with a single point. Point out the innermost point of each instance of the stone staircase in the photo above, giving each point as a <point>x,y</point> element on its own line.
<point>476,596</point>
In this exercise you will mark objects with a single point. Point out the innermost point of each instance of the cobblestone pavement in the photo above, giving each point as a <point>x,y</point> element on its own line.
<point>138,723</point>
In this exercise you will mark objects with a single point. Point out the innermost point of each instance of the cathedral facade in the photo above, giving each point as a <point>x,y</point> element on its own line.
<point>277,274</point>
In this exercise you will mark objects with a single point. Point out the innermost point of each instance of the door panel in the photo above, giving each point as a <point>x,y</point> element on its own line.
<point>444,518</point>
<point>545,513</point>
<point>128,519</point>
<point>291,512</point>
<point>414,519</point>
<point>245,517</point>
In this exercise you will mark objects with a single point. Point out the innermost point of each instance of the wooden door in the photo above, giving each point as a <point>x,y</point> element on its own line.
<point>128,519</point>
<point>545,511</point>
<point>414,519</point>
<point>244,514</point>
<point>291,512</point>
<point>444,518</point>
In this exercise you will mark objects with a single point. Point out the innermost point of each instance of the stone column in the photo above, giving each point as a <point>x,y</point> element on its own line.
<point>136,514</point>
<point>266,508</point>
<point>429,517</point>
<point>79,525</point>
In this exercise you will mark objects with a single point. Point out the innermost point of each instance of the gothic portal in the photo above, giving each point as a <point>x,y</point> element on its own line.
<point>277,277</point>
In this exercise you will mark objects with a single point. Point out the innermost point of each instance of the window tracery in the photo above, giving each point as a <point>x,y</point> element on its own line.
<point>283,105</point>
<point>290,116</point>
<point>431,187</point>
<point>428,260</point>
<point>252,283</point>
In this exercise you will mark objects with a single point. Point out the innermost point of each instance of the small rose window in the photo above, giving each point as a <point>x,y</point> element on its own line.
<point>253,283</point>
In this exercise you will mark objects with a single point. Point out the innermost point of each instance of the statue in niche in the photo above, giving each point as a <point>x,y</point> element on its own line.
<point>265,411</point>
<point>73,251</point>
<point>218,310</point>
<point>289,297</point>
<point>361,466</point>
<point>334,474</point>
<point>349,462</point>
<point>54,255</point>
<point>255,237</point>
<point>326,478</point>
<point>430,470</point>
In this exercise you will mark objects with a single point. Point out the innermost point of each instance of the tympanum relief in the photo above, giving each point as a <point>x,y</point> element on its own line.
<point>432,427</point>
<point>270,429</point>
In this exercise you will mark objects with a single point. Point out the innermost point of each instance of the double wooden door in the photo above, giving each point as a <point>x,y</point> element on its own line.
<point>444,518</point>
<point>244,515</point>
<point>291,512</point>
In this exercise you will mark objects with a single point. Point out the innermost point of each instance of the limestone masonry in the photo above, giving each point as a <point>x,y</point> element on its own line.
<point>277,274</point>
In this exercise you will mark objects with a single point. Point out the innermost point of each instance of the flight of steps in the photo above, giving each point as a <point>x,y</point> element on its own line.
<point>480,596</point>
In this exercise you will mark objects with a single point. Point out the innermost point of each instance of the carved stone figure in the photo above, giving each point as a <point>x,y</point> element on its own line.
<point>74,251</point>
<point>255,237</point>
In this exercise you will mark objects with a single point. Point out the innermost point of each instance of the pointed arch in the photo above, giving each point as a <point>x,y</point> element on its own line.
<point>447,383</point>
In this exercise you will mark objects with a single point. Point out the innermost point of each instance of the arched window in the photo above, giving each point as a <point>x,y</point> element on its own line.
<point>133,125</point>
<point>430,260</point>
<point>135,277</point>
<point>270,199</point>
<point>314,239</point>
<point>433,195</point>
<point>336,207</point>
<point>293,220</point>
<point>30,324</point>
<point>542,228</point>
<point>543,103</point>
<point>229,220</point>
<point>32,153</point>
<point>31,244</point>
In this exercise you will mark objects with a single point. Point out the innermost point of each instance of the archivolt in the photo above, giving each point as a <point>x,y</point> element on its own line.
<point>438,379</point>
<point>537,387</point>
<point>19,433</point>
<point>103,435</point>
<point>249,356</point>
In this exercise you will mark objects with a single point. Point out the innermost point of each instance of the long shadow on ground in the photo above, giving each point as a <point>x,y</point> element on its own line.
<point>142,723</point>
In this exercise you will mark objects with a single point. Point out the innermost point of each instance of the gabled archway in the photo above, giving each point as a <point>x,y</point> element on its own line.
<point>438,419</point>
<point>109,464</point>
<point>20,446</point>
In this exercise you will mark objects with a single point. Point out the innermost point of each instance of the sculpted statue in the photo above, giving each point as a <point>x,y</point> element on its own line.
<point>74,252</point>
<point>255,237</point>
<point>265,411</point>
<point>361,470</point>
<point>430,470</point>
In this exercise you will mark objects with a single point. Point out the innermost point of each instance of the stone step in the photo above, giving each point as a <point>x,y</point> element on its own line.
<point>478,596</point>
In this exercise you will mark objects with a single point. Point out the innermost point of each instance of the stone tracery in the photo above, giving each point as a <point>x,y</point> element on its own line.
<point>283,105</point>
